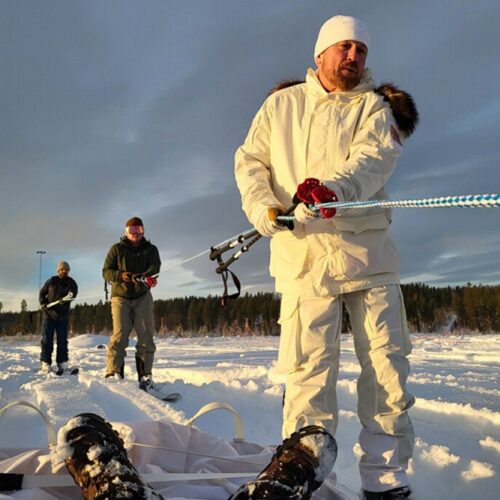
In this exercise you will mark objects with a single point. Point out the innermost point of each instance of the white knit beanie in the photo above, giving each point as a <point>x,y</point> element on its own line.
<point>338,29</point>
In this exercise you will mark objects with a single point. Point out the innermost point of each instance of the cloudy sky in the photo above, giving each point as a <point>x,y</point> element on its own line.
<point>120,108</point>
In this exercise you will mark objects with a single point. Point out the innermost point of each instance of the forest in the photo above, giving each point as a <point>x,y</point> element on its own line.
<point>462,309</point>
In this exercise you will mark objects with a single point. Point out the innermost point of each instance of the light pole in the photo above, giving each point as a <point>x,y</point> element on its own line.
<point>41,252</point>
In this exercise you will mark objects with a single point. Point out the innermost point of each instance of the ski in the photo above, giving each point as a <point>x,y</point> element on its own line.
<point>172,397</point>
<point>69,371</point>
<point>157,392</point>
<point>168,398</point>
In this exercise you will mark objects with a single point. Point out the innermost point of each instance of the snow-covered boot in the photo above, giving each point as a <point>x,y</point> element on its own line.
<point>98,461</point>
<point>396,494</point>
<point>45,367</point>
<point>146,383</point>
<point>298,467</point>
<point>65,368</point>
<point>62,367</point>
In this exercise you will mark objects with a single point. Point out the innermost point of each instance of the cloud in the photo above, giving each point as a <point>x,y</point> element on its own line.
<point>111,109</point>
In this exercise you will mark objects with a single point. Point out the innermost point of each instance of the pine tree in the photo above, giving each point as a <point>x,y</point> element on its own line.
<point>24,323</point>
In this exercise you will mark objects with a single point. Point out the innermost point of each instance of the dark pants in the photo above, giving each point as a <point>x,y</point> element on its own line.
<point>60,326</point>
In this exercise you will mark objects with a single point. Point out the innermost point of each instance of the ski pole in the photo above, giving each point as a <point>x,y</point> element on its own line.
<point>251,233</point>
<point>223,266</point>
<point>462,201</point>
<point>226,242</point>
<point>215,251</point>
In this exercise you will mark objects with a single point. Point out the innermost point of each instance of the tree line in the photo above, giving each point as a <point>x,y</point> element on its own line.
<point>469,308</point>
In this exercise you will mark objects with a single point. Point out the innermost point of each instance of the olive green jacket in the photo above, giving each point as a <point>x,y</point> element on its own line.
<point>122,256</point>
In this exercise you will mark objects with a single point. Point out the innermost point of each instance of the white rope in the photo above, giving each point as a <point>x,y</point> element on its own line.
<point>237,238</point>
<point>196,454</point>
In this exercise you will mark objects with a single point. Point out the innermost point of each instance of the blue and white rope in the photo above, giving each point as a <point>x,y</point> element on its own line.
<point>465,201</point>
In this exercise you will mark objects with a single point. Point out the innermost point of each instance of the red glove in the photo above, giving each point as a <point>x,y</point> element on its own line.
<point>151,282</point>
<point>322,194</point>
<point>305,188</point>
<point>312,191</point>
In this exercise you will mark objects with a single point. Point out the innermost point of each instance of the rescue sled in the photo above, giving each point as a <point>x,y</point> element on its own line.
<point>177,461</point>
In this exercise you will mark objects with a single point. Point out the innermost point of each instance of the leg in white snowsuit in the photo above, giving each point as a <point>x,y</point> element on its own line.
<point>309,353</point>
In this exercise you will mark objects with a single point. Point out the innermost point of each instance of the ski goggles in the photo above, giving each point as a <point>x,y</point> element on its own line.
<point>134,230</point>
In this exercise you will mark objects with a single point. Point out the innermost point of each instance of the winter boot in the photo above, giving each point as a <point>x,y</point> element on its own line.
<point>99,462</point>
<point>62,367</point>
<point>395,494</point>
<point>65,368</point>
<point>146,383</point>
<point>298,467</point>
<point>45,367</point>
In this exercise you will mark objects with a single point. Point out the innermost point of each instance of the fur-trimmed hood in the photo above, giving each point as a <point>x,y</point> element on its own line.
<point>403,107</point>
<point>402,104</point>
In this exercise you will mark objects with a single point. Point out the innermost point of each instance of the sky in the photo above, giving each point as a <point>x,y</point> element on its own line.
<point>125,108</point>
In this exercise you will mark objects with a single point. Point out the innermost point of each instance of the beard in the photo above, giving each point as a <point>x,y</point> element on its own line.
<point>344,80</point>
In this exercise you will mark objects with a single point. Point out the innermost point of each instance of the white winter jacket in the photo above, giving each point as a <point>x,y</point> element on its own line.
<point>349,141</point>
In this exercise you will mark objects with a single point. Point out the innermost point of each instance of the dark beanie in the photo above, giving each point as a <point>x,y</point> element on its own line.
<point>134,221</point>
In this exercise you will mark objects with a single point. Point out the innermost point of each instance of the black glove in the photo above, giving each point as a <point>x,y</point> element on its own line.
<point>137,278</point>
<point>49,312</point>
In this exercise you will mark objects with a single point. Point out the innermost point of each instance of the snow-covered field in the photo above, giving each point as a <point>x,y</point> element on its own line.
<point>455,381</point>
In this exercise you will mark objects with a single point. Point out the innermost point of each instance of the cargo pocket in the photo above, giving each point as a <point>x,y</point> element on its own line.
<point>404,326</point>
<point>289,350</point>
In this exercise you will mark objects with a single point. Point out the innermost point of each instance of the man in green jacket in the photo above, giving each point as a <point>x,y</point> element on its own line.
<point>131,265</point>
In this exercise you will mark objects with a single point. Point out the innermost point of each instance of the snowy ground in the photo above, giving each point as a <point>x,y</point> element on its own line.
<point>455,381</point>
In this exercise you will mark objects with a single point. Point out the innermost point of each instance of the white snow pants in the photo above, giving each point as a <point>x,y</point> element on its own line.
<point>309,354</point>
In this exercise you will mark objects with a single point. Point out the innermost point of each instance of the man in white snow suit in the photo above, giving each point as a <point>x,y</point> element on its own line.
<point>335,137</point>
<point>131,265</point>
<point>56,317</point>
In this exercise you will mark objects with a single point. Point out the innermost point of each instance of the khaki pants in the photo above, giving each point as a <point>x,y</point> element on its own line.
<point>131,314</point>
<point>309,354</point>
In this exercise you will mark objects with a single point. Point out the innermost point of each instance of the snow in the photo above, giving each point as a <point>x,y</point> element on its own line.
<point>454,379</point>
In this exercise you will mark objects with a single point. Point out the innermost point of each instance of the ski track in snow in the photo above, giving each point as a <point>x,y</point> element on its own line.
<point>454,380</point>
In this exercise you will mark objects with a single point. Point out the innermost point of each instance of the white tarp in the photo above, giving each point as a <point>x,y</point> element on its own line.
<point>195,452</point>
